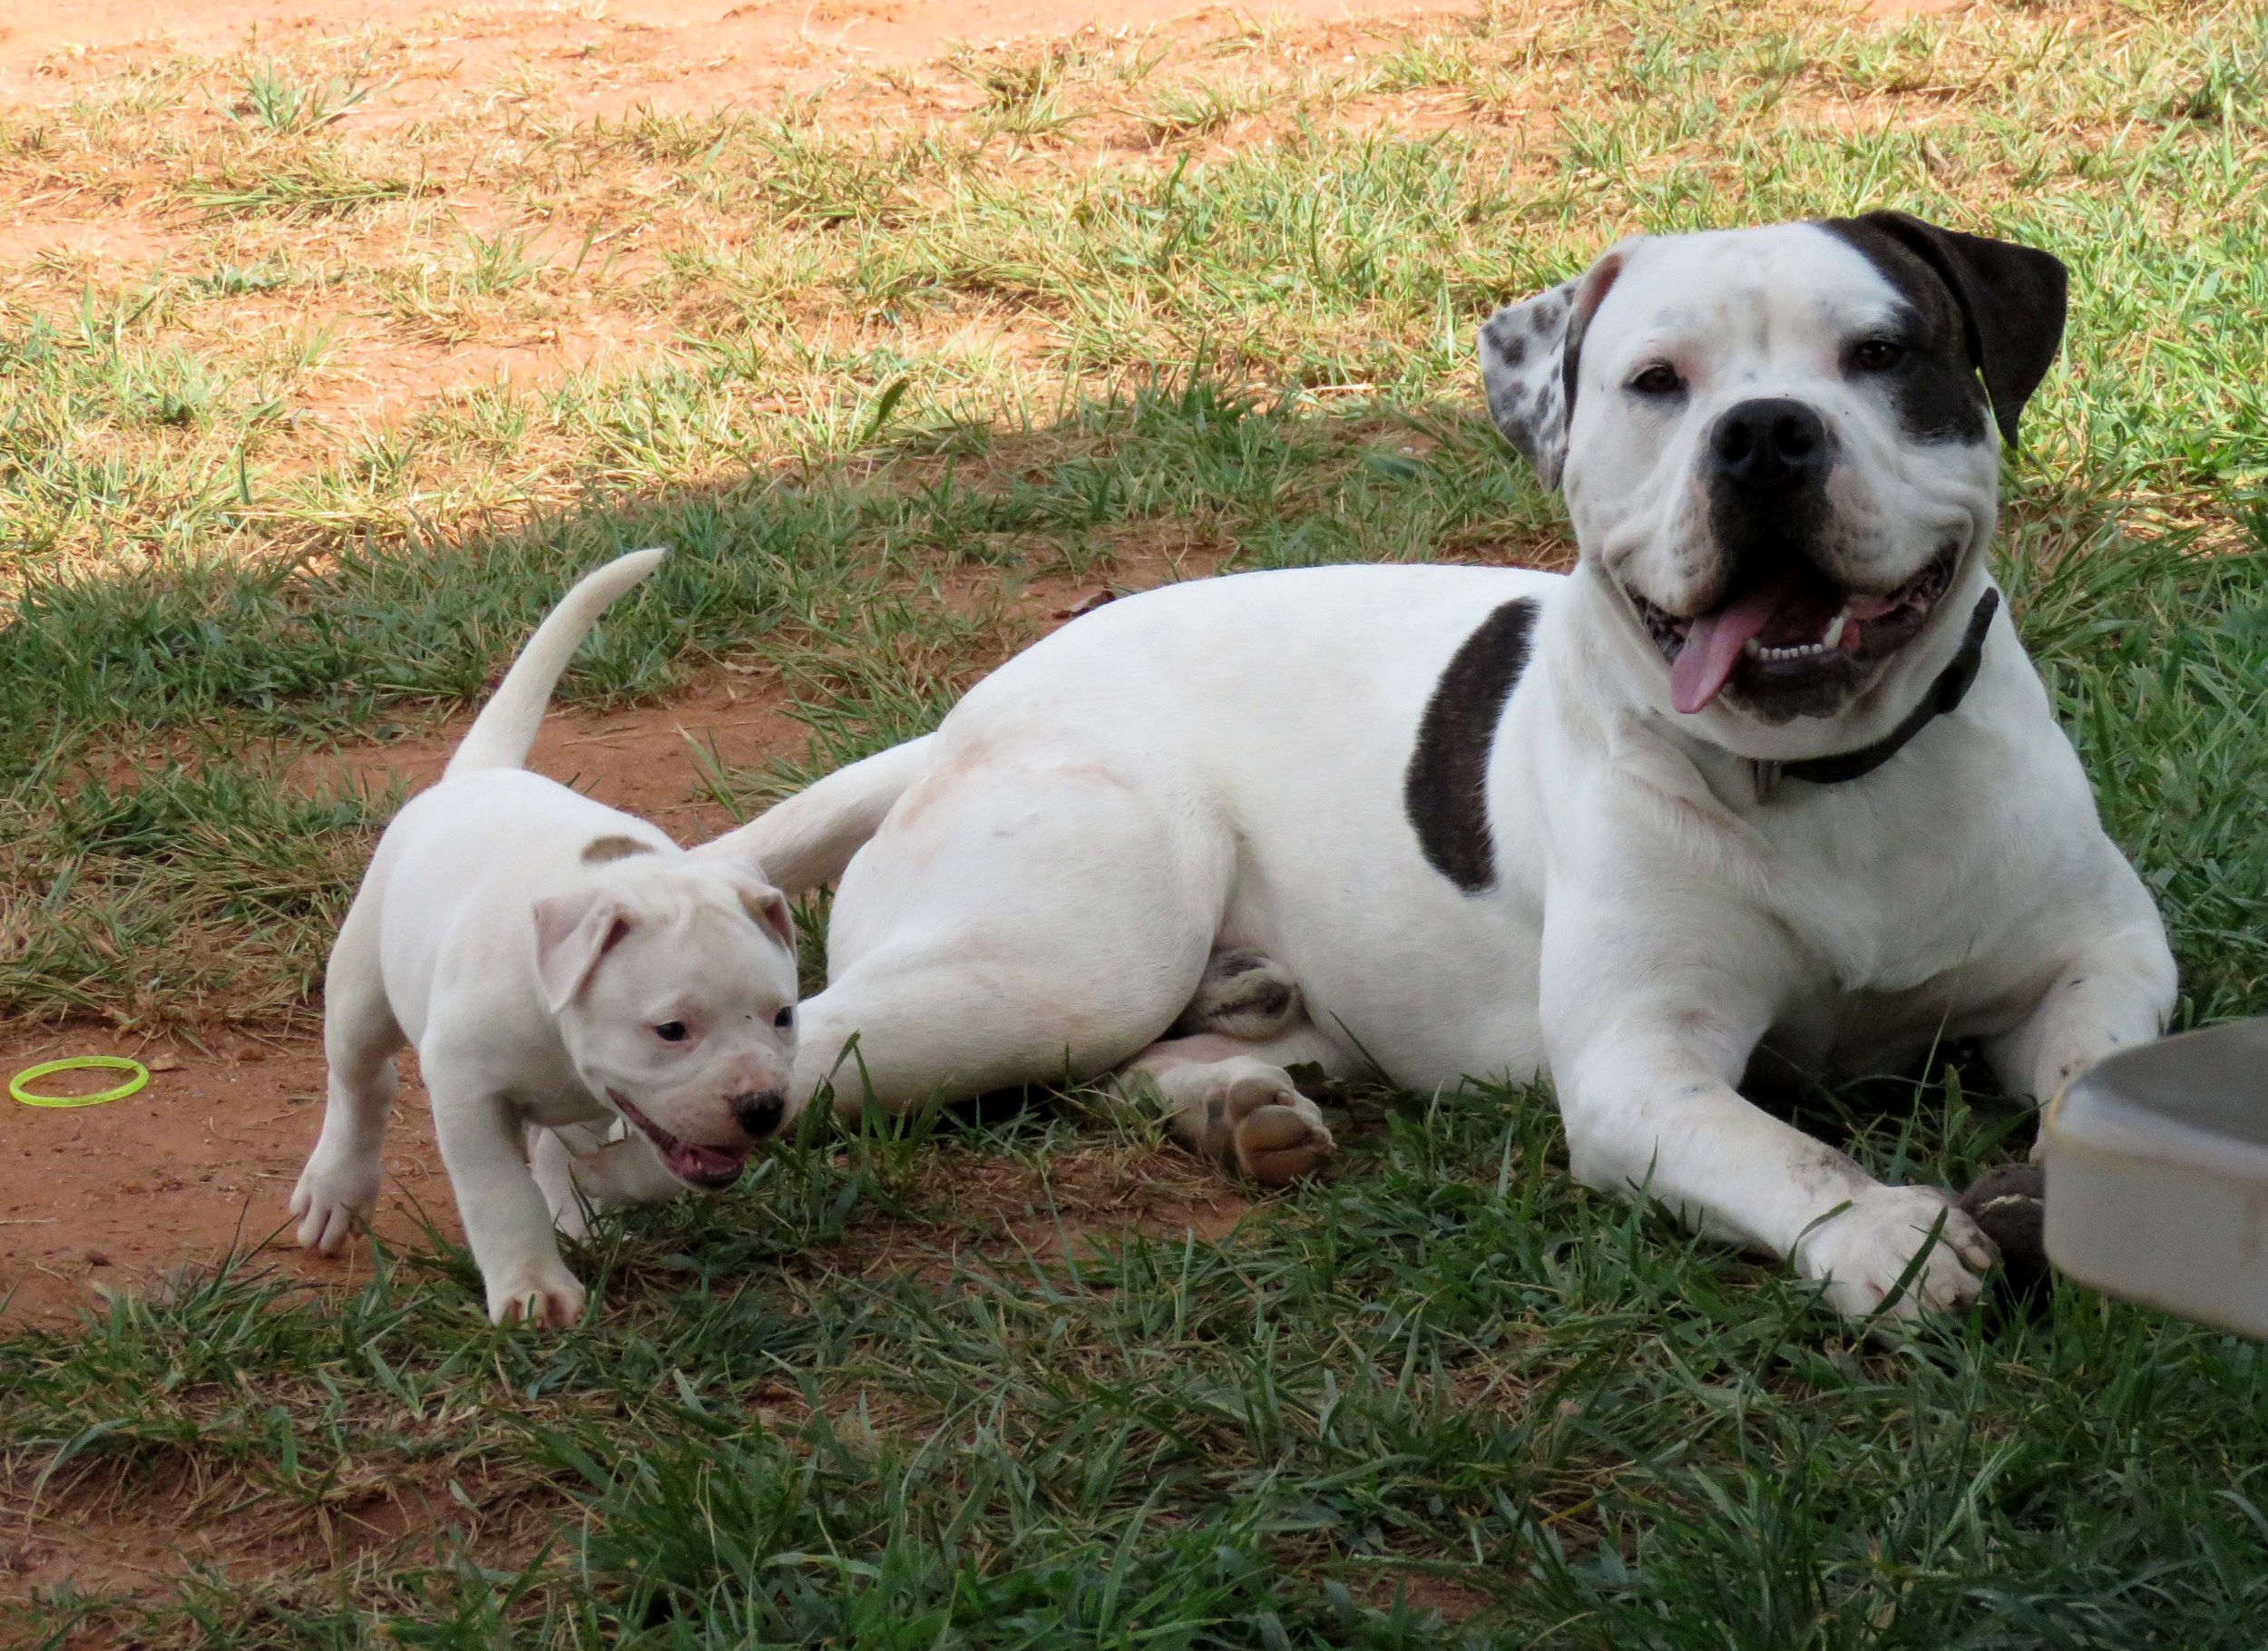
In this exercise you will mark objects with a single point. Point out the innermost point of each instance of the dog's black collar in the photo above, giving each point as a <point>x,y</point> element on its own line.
<point>1945,694</point>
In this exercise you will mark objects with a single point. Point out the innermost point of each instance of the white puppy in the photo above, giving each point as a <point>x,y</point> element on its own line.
<point>1769,772</point>
<point>556,964</point>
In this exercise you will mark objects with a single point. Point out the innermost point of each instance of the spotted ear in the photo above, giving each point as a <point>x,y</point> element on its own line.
<point>2011,299</point>
<point>1529,355</point>
<point>574,934</point>
<point>1522,348</point>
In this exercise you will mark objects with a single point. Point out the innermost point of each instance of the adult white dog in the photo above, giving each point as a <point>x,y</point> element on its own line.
<point>558,965</point>
<point>1770,769</point>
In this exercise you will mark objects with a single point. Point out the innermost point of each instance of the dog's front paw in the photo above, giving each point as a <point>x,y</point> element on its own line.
<point>1865,1250</point>
<point>335,1196</point>
<point>539,1293</point>
<point>1277,1144</point>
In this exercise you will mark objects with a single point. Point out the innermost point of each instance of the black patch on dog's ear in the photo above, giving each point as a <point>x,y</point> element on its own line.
<point>600,851</point>
<point>2010,299</point>
<point>1445,792</point>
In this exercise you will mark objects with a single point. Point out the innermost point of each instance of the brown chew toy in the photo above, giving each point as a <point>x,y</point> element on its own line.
<point>2010,1205</point>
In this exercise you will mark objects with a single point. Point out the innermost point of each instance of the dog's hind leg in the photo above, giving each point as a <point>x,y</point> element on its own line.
<point>339,1187</point>
<point>1015,920</point>
<point>1221,1077</point>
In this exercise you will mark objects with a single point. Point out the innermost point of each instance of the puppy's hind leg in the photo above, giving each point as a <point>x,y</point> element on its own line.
<point>339,1187</point>
<point>1221,1076</point>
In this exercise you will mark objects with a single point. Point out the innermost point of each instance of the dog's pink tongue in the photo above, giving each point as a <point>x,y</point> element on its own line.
<point>1713,645</point>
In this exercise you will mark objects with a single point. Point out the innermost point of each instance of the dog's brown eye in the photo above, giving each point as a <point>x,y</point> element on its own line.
<point>1877,354</point>
<point>1658,378</point>
<point>671,1031</point>
<point>786,1017</point>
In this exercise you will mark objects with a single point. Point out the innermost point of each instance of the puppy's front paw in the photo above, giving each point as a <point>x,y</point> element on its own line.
<point>335,1196</point>
<point>1864,1251</point>
<point>539,1293</point>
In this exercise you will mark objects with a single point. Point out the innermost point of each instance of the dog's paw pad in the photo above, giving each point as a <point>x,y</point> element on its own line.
<point>1277,1144</point>
<point>331,1207</point>
<point>551,1300</point>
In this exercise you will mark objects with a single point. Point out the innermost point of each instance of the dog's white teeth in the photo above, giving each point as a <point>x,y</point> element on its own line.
<point>1833,638</point>
<point>1800,651</point>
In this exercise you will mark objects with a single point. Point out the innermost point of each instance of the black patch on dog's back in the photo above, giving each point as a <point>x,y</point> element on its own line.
<point>1445,792</point>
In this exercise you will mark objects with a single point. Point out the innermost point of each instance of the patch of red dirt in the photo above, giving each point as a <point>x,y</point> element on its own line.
<point>697,53</point>
<point>201,1163</point>
<point>649,760</point>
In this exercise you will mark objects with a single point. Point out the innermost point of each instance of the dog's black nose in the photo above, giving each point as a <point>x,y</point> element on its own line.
<point>759,1114</point>
<point>1771,446</point>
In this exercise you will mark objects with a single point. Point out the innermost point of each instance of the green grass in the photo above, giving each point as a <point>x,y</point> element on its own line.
<point>1126,302</point>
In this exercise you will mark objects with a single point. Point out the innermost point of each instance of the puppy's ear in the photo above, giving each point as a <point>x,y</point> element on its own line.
<point>2011,300</point>
<point>768,909</point>
<point>1529,353</point>
<point>574,934</point>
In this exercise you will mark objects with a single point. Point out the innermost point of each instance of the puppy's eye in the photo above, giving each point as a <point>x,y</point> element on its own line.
<point>671,1031</point>
<point>1656,378</point>
<point>1877,354</point>
<point>786,1017</point>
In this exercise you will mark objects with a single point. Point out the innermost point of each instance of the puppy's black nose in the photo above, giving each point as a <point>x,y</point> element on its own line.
<point>1771,446</point>
<point>759,1114</point>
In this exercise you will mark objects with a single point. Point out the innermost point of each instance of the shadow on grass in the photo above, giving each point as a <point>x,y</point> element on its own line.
<point>144,720</point>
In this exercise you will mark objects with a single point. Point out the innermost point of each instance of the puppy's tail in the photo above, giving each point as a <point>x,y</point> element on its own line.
<point>808,839</point>
<point>501,735</point>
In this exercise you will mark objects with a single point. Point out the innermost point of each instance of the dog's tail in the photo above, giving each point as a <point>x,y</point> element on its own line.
<point>808,839</point>
<point>501,735</point>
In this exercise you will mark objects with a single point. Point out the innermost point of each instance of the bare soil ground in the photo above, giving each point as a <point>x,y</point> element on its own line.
<point>700,49</point>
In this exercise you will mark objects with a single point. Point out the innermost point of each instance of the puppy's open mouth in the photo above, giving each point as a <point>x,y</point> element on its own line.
<point>1793,621</point>
<point>707,1168</point>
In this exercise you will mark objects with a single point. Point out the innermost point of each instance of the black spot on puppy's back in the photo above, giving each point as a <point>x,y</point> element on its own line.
<point>1445,790</point>
<point>600,851</point>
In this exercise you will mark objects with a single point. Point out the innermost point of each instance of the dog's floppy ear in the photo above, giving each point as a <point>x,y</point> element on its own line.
<point>573,933</point>
<point>766,907</point>
<point>1529,354</point>
<point>2011,300</point>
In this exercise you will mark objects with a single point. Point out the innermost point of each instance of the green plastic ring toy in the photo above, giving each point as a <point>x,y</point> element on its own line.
<point>18,1086</point>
